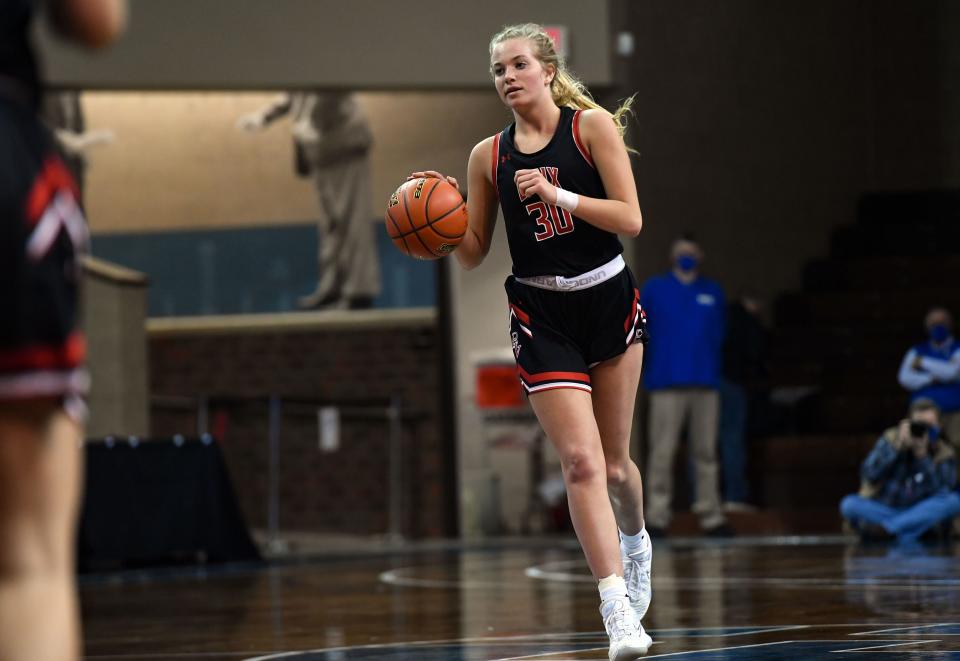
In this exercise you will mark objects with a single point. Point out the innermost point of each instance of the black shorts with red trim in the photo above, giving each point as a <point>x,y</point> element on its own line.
<point>42,234</point>
<point>558,336</point>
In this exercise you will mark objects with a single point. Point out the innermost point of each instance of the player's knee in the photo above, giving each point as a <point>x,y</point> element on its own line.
<point>580,466</point>
<point>617,472</point>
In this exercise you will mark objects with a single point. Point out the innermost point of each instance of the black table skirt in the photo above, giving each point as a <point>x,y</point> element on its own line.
<point>158,502</point>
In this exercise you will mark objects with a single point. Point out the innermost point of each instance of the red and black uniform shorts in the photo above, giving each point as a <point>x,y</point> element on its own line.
<point>42,235</point>
<point>559,336</point>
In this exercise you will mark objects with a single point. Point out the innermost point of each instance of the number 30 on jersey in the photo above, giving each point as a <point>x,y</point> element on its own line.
<point>551,220</point>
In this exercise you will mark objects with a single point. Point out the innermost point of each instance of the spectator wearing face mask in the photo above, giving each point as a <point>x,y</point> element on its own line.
<point>907,479</point>
<point>931,370</point>
<point>686,319</point>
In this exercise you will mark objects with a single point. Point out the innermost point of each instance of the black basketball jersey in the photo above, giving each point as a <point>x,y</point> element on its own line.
<point>545,239</point>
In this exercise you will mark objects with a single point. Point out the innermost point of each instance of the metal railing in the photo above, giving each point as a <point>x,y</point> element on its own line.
<point>276,406</point>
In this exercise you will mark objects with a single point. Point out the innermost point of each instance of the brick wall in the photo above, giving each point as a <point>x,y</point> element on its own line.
<point>346,491</point>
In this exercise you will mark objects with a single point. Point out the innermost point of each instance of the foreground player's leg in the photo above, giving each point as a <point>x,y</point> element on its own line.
<point>39,492</point>
<point>567,418</point>
<point>615,385</point>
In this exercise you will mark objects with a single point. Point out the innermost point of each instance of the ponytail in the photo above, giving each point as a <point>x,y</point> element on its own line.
<point>569,91</point>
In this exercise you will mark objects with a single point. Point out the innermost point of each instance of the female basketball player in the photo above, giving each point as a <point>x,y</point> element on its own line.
<point>41,233</point>
<point>562,176</point>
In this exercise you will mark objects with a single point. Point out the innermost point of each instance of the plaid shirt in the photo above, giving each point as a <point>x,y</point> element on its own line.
<point>898,479</point>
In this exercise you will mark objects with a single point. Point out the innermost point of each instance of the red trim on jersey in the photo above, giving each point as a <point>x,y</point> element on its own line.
<point>633,310</point>
<point>495,162</point>
<point>521,315</point>
<point>578,141</point>
<point>68,355</point>
<point>53,177</point>
<point>552,376</point>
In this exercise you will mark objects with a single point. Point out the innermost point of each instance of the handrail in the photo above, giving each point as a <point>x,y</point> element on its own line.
<point>389,409</point>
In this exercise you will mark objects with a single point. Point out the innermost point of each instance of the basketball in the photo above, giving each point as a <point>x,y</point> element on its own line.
<point>426,218</point>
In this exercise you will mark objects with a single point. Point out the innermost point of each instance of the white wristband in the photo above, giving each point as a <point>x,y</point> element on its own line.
<point>567,200</point>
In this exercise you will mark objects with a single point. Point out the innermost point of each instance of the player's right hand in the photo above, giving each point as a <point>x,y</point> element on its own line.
<point>434,175</point>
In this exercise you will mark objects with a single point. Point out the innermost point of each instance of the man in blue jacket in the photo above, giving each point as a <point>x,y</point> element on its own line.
<point>907,479</point>
<point>686,318</point>
<point>932,370</point>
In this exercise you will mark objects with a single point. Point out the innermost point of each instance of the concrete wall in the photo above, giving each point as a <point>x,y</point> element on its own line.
<point>361,44</point>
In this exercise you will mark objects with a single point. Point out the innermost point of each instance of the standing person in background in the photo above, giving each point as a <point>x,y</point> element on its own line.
<point>686,317</point>
<point>744,350</point>
<point>42,380</point>
<point>332,142</point>
<point>931,370</point>
<point>561,175</point>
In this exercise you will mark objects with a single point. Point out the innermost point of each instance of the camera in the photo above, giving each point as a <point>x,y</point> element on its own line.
<point>919,429</point>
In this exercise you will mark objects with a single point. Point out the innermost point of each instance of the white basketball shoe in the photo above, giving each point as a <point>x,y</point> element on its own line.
<point>636,574</point>
<point>628,640</point>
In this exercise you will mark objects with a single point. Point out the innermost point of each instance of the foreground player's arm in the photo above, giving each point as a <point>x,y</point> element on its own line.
<point>620,212</point>
<point>481,207</point>
<point>91,23</point>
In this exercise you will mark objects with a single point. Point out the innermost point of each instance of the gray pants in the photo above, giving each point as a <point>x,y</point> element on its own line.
<point>348,264</point>
<point>669,409</point>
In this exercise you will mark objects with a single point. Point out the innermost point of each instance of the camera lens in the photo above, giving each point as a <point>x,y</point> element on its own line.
<point>919,429</point>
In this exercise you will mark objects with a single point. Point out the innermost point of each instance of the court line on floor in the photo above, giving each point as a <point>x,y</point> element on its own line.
<point>880,647</point>
<point>549,654</point>
<point>425,643</point>
<point>911,628</point>
<point>557,571</point>
<point>719,649</point>
<point>487,640</point>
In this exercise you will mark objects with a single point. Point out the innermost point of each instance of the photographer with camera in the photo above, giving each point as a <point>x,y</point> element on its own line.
<point>907,479</point>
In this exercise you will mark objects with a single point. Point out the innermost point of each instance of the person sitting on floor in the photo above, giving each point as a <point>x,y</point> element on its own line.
<point>907,479</point>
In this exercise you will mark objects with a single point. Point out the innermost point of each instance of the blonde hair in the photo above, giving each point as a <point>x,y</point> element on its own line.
<point>566,89</point>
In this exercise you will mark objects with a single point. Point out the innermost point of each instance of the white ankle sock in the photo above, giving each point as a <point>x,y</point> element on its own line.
<point>635,543</point>
<point>612,587</point>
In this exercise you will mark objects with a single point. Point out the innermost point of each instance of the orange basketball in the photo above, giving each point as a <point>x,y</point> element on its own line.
<point>426,218</point>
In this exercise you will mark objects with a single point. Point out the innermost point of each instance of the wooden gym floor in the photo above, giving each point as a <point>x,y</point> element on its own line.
<point>744,599</point>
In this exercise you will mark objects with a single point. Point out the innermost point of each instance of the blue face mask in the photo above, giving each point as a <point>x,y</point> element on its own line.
<point>933,433</point>
<point>687,263</point>
<point>939,333</point>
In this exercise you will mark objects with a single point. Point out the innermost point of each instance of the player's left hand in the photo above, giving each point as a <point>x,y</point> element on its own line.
<point>532,182</point>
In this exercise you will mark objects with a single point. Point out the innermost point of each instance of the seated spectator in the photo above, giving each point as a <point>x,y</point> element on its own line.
<point>931,370</point>
<point>907,479</point>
